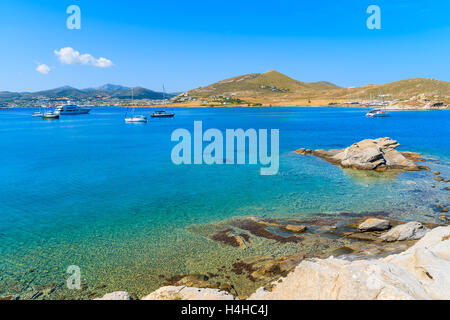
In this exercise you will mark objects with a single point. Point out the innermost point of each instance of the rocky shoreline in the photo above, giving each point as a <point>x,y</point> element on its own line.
<point>418,103</point>
<point>421,271</point>
<point>341,256</point>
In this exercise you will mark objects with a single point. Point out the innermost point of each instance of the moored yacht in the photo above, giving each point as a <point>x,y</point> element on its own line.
<point>71,109</point>
<point>377,113</point>
<point>162,114</point>
<point>39,113</point>
<point>134,118</point>
<point>50,115</point>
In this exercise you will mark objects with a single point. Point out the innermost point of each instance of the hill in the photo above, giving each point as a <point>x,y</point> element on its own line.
<point>106,94</point>
<point>276,88</point>
<point>259,84</point>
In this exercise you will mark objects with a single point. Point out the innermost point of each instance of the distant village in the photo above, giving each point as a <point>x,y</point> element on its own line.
<point>91,101</point>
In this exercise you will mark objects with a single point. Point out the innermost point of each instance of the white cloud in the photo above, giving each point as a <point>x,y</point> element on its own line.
<point>68,55</point>
<point>43,68</point>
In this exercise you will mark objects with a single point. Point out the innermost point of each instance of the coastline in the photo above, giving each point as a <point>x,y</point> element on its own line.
<point>419,271</point>
<point>372,246</point>
<point>178,106</point>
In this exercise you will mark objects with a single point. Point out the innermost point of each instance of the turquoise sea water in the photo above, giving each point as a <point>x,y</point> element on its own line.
<point>92,191</point>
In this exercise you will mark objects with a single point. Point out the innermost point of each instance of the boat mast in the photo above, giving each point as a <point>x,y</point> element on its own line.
<point>164,98</point>
<point>132,101</point>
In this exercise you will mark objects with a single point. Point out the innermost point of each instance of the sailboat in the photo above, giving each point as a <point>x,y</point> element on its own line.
<point>133,117</point>
<point>39,113</point>
<point>46,113</point>
<point>162,113</point>
<point>377,113</point>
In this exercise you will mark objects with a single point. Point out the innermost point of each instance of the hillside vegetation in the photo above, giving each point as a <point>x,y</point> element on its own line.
<point>276,88</point>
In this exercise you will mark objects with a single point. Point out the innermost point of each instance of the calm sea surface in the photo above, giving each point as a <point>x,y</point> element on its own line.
<point>92,191</point>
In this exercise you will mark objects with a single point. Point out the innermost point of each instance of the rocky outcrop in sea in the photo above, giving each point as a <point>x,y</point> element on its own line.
<point>370,154</point>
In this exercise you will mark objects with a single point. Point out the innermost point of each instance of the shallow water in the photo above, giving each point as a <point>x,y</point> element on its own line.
<point>92,191</point>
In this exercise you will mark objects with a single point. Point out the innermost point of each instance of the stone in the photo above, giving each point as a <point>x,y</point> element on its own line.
<point>370,154</point>
<point>374,224</point>
<point>117,295</point>
<point>420,272</point>
<point>294,228</point>
<point>229,237</point>
<point>408,231</point>
<point>188,293</point>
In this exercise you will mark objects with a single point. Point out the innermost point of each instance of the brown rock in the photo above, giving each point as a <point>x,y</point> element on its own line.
<point>294,228</point>
<point>374,224</point>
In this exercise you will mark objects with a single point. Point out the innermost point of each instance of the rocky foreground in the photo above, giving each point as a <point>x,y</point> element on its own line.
<point>420,272</point>
<point>418,102</point>
<point>370,154</point>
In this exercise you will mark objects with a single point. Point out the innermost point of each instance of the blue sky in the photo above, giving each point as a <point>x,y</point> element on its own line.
<point>187,44</point>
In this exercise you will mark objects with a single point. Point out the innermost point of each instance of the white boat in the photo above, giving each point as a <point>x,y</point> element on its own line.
<point>377,113</point>
<point>39,113</point>
<point>134,118</point>
<point>71,109</point>
<point>50,115</point>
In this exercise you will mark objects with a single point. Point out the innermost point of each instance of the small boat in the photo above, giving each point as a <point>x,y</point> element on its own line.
<point>134,118</point>
<point>163,113</point>
<point>378,113</point>
<point>71,109</point>
<point>375,113</point>
<point>50,115</point>
<point>39,113</point>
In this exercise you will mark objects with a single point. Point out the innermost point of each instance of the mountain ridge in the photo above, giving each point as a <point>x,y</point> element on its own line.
<point>107,91</point>
<point>273,87</point>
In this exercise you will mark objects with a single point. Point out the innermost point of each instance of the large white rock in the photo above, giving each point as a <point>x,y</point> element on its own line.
<point>368,154</point>
<point>429,262</point>
<point>117,295</point>
<point>421,272</point>
<point>409,231</point>
<point>188,293</point>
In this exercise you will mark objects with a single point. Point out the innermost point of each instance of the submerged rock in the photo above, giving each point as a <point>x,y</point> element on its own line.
<point>117,295</point>
<point>188,293</point>
<point>408,231</point>
<point>294,228</point>
<point>369,154</point>
<point>229,237</point>
<point>374,224</point>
